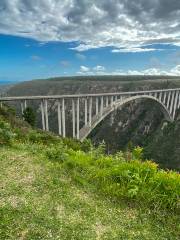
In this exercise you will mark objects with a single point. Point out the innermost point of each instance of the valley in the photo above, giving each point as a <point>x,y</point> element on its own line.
<point>137,123</point>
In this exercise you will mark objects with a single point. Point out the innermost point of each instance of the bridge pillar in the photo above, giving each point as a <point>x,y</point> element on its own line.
<point>168,100</point>
<point>86,113</point>
<point>164,98</point>
<point>73,118</point>
<point>42,115</point>
<point>63,119</point>
<point>22,108</point>
<point>111,101</point>
<point>102,106</point>
<point>178,106</point>
<point>59,118</point>
<point>107,101</point>
<point>97,105</point>
<point>175,104</point>
<point>25,104</point>
<point>90,111</point>
<point>46,115</point>
<point>155,95</point>
<point>172,103</point>
<point>77,120</point>
<point>160,96</point>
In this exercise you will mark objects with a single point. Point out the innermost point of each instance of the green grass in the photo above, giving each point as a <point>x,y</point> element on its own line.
<point>40,200</point>
<point>53,188</point>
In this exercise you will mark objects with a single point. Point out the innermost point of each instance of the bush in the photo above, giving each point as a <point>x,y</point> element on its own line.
<point>135,180</point>
<point>57,153</point>
<point>6,134</point>
<point>29,116</point>
<point>42,137</point>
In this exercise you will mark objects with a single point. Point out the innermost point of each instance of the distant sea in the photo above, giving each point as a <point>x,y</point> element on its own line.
<point>7,82</point>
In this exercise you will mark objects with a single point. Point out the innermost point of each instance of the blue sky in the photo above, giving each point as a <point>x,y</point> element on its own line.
<point>50,38</point>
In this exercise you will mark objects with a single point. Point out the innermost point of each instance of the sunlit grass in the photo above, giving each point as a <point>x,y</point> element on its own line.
<point>40,200</point>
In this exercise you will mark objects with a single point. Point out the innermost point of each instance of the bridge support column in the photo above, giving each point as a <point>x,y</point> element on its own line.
<point>46,115</point>
<point>63,119</point>
<point>111,101</point>
<point>156,95</point>
<point>160,96</point>
<point>77,120</point>
<point>172,103</point>
<point>22,108</point>
<point>107,101</point>
<point>164,98</point>
<point>90,111</point>
<point>97,105</point>
<point>86,114</point>
<point>42,115</point>
<point>73,118</point>
<point>175,104</point>
<point>168,101</point>
<point>102,106</point>
<point>59,118</point>
<point>25,104</point>
<point>178,106</point>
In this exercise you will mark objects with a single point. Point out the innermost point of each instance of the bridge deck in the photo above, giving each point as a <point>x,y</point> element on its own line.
<point>84,95</point>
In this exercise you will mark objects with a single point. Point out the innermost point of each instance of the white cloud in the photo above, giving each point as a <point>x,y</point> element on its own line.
<point>99,68</point>
<point>84,69</point>
<point>174,71</point>
<point>124,25</point>
<point>134,50</point>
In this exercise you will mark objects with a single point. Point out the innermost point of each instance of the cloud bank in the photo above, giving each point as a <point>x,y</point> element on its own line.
<point>125,25</point>
<point>101,70</point>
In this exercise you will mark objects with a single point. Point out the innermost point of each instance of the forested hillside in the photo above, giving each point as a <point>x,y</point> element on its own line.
<point>137,123</point>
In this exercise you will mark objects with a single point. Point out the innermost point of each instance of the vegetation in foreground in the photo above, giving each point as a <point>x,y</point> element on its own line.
<point>53,188</point>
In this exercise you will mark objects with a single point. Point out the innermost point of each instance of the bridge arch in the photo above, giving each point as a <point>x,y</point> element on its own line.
<point>86,130</point>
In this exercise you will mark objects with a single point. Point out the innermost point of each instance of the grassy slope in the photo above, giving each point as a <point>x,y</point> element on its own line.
<point>41,198</point>
<point>40,201</point>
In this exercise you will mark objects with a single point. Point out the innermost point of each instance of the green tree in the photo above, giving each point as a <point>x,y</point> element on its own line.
<point>29,116</point>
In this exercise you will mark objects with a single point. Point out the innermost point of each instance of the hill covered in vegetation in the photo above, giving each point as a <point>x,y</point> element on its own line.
<point>54,188</point>
<point>137,123</point>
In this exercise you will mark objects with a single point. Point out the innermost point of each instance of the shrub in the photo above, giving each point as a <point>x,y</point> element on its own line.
<point>137,153</point>
<point>6,134</point>
<point>29,116</point>
<point>135,180</point>
<point>86,145</point>
<point>42,137</point>
<point>57,153</point>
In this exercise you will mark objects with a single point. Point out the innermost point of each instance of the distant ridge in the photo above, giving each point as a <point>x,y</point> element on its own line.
<point>113,78</point>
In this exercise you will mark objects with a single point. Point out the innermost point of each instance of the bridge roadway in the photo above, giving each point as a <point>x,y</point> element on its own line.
<point>95,107</point>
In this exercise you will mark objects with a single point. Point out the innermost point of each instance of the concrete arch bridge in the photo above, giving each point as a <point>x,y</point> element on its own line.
<point>88,110</point>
